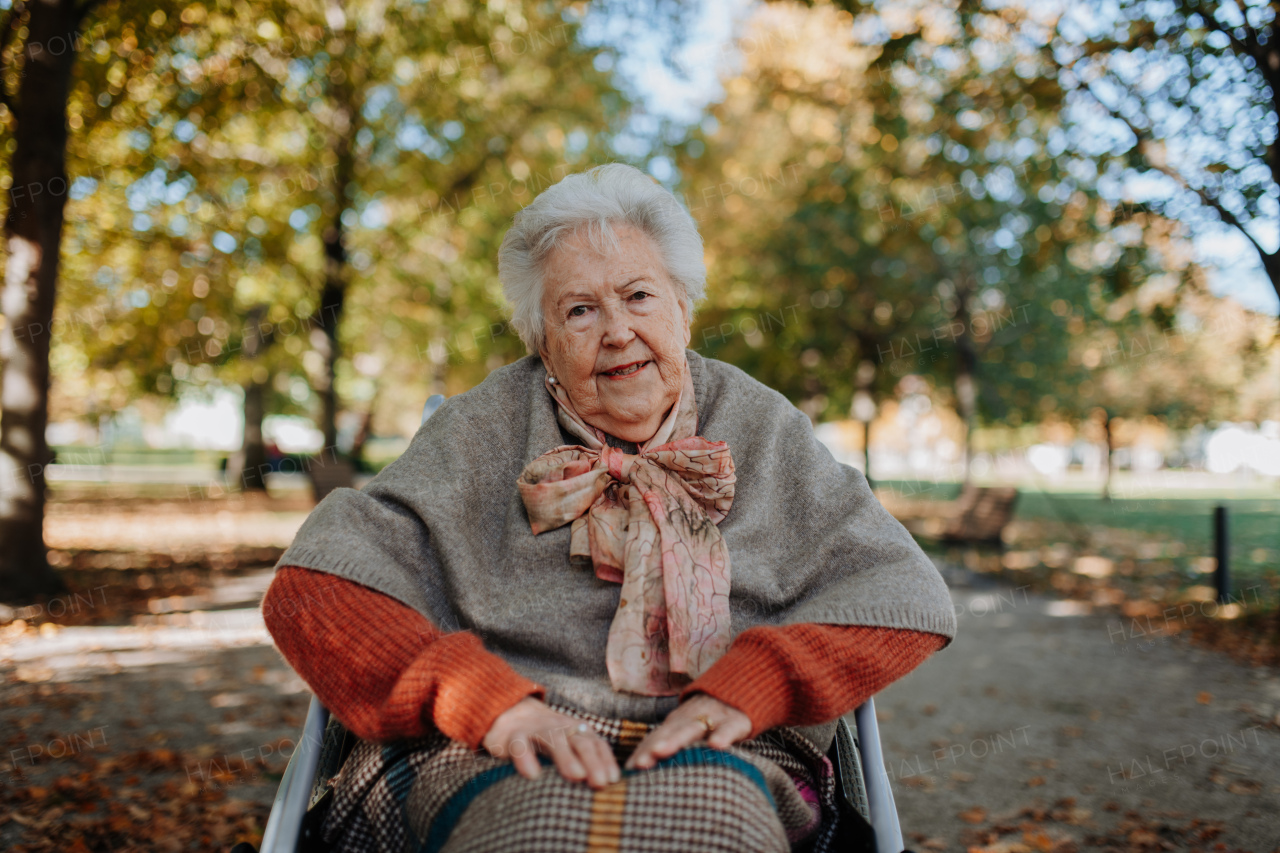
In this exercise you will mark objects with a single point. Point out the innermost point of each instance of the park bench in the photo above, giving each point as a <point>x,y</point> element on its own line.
<point>980,514</point>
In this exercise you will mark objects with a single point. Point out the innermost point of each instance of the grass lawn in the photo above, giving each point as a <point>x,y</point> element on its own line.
<point>1184,517</point>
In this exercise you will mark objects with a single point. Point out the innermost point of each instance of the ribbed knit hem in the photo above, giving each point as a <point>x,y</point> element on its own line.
<point>799,675</point>
<point>478,688</point>
<point>754,677</point>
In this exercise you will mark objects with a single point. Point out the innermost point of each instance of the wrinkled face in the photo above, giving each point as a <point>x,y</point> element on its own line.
<point>616,328</point>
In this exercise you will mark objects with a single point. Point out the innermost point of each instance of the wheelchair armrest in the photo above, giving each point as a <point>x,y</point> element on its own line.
<point>284,826</point>
<point>884,813</point>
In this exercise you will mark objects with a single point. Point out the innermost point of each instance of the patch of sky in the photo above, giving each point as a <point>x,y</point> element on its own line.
<point>377,100</point>
<point>139,140</point>
<point>238,192</point>
<point>670,72</point>
<point>299,73</point>
<point>452,130</point>
<point>83,187</point>
<point>662,168</point>
<point>178,190</point>
<point>299,220</point>
<point>139,298</point>
<point>223,242</point>
<point>374,215</point>
<point>141,222</point>
<point>576,141</point>
<point>147,191</point>
<point>870,30</point>
<point>184,131</point>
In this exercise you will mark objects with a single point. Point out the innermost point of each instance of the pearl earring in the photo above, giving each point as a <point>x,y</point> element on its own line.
<point>551,379</point>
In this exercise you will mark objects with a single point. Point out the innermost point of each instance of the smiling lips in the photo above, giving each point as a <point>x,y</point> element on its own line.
<point>625,370</point>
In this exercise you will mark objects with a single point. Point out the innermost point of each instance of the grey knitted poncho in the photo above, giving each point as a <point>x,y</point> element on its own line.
<point>443,530</point>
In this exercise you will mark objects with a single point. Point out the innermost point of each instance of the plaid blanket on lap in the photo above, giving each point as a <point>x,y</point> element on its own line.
<point>433,794</point>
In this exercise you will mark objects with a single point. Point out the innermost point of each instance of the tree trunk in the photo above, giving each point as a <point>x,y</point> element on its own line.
<point>253,462</point>
<point>966,367</point>
<point>864,405</point>
<point>866,453</point>
<point>1111,446</point>
<point>330,471</point>
<point>33,235</point>
<point>324,335</point>
<point>1271,263</point>
<point>365,432</point>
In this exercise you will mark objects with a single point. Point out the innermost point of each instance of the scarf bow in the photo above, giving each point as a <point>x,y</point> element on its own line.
<point>647,521</point>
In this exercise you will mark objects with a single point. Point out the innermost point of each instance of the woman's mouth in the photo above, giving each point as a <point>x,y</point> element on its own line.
<point>625,370</point>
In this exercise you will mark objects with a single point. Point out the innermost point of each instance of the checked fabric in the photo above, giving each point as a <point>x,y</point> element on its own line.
<point>435,795</point>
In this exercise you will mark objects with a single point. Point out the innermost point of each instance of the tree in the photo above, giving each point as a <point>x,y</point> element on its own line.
<point>232,169</point>
<point>1192,94</point>
<point>935,204</point>
<point>1204,367</point>
<point>33,235</point>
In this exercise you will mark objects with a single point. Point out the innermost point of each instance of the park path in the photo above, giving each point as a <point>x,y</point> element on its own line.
<point>1039,729</point>
<point>1042,727</point>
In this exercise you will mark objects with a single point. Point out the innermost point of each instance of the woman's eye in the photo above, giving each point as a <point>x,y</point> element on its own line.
<point>639,294</point>
<point>577,310</point>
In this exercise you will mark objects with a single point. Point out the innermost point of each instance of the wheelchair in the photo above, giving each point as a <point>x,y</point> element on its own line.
<point>868,815</point>
<point>869,818</point>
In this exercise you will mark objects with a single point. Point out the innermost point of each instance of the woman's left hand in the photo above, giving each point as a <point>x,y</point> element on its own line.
<point>682,728</point>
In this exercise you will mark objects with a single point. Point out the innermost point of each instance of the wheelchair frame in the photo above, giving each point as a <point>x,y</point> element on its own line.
<point>859,765</point>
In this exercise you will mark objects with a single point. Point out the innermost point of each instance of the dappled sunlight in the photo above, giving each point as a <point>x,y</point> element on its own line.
<point>63,654</point>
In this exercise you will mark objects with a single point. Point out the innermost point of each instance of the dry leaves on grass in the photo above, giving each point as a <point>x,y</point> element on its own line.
<point>1037,829</point>
<point>110,808</point>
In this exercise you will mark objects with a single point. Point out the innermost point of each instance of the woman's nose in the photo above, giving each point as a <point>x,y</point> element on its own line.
<point>617,330</point>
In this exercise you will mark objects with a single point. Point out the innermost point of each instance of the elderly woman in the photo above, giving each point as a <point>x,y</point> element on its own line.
<point>615,597</point>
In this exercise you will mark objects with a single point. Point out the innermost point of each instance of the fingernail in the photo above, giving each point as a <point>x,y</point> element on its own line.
<point>615,775</point>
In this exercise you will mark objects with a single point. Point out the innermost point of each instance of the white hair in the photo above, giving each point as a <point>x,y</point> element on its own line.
<point>595,200</point>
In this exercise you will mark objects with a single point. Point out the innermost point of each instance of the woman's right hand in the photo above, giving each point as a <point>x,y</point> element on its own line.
<point>529,727</point>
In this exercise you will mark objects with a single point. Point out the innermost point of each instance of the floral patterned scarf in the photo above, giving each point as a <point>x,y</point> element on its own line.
<point>646,521</point>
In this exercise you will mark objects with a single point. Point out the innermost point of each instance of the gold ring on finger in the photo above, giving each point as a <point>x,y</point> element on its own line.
<point>706,723</point>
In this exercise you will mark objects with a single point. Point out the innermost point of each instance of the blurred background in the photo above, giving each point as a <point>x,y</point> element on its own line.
<point>1018,262</point>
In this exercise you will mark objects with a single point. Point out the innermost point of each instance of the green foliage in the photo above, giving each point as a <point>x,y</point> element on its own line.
<point>1183,95</point>
<point>217,142</point>
<point>932,200</point>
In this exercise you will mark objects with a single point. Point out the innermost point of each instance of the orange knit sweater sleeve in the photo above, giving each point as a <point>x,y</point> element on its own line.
<point>384,670</point>
<point>381,667</point>
<point>798,675</point>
